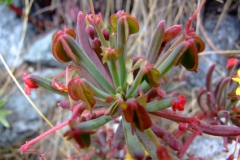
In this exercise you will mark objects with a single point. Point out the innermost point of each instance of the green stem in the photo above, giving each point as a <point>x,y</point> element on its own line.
<point>121,39</point>
<point>113,70</point>
<point>100,35</point>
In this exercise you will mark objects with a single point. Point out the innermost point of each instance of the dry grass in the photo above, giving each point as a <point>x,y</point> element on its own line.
<point>148,13</point>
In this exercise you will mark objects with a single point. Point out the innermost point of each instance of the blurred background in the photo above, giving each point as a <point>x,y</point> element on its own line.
<point>26,29</point>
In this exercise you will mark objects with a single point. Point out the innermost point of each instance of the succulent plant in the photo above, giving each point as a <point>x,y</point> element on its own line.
<point>110,84</point>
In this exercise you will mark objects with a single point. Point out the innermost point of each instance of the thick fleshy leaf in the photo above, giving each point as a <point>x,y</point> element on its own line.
<point>171,33</point>
<point>84,61</point>
<point>123,30</point>
<point>167,137</point>
<point>130,78</point>
<point>156,42</point>
<point>160,105</point>
<point>85,45</point>
<point>146,142</point>
<point>219,130</point>
<point>128,62</point>
<point>45,83</point>
<point>94,124</point>
<point>133,144</point>
<point>119,138</point>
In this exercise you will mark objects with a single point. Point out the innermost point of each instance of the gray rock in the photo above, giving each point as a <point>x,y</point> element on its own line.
<point>10,35</point>
<point>209,147</point>
<point>40,52</point>
<point>225,38</point>
<point>24,120</point>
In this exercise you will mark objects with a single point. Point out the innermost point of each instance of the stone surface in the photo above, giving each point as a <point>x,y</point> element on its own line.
<point>10,35</point>
<point>24,120</point>
<point>40,52</point>
<point>225,38</point>
<point>210,147</point>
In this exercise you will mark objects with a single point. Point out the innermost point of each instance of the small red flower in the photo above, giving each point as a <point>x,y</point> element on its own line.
<point>179,103</point>
<point>28,83</point>
<point>95,19</point>
<point>231,62</point>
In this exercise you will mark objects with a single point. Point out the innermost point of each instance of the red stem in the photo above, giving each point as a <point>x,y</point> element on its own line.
<point>24,148</point>
<point>186,145</point>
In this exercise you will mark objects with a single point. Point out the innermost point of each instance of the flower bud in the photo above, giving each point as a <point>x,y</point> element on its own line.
<point>59,48</point>
<point>90,31</point>
<point>28,83</point>
<point>96,46</point>
<point>179,103</point>
<point>106,33</point>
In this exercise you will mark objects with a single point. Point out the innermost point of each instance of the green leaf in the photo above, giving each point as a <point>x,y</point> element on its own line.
<point>130,78</point>
<point>148,145</point>
<point>190,59</point>
<point>133,24</point>
<point>95,123</point>
<point>2,103</point>
<point>159,105</point>
<point>72,46</point>
<point>113,22</point>
<point>128,62</point>
<point>156,42</point>
<point>4,121</point>
<point>133,145</point>
<point>5,112</point>
<point>45,83</point>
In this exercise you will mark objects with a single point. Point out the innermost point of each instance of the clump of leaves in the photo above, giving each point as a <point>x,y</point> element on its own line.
<point>108,84</point>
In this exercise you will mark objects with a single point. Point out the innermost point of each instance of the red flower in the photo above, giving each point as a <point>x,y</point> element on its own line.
<point>179,103</point>
<point>28,83</point>
<point>136,114</point>
<point>231,62</point>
